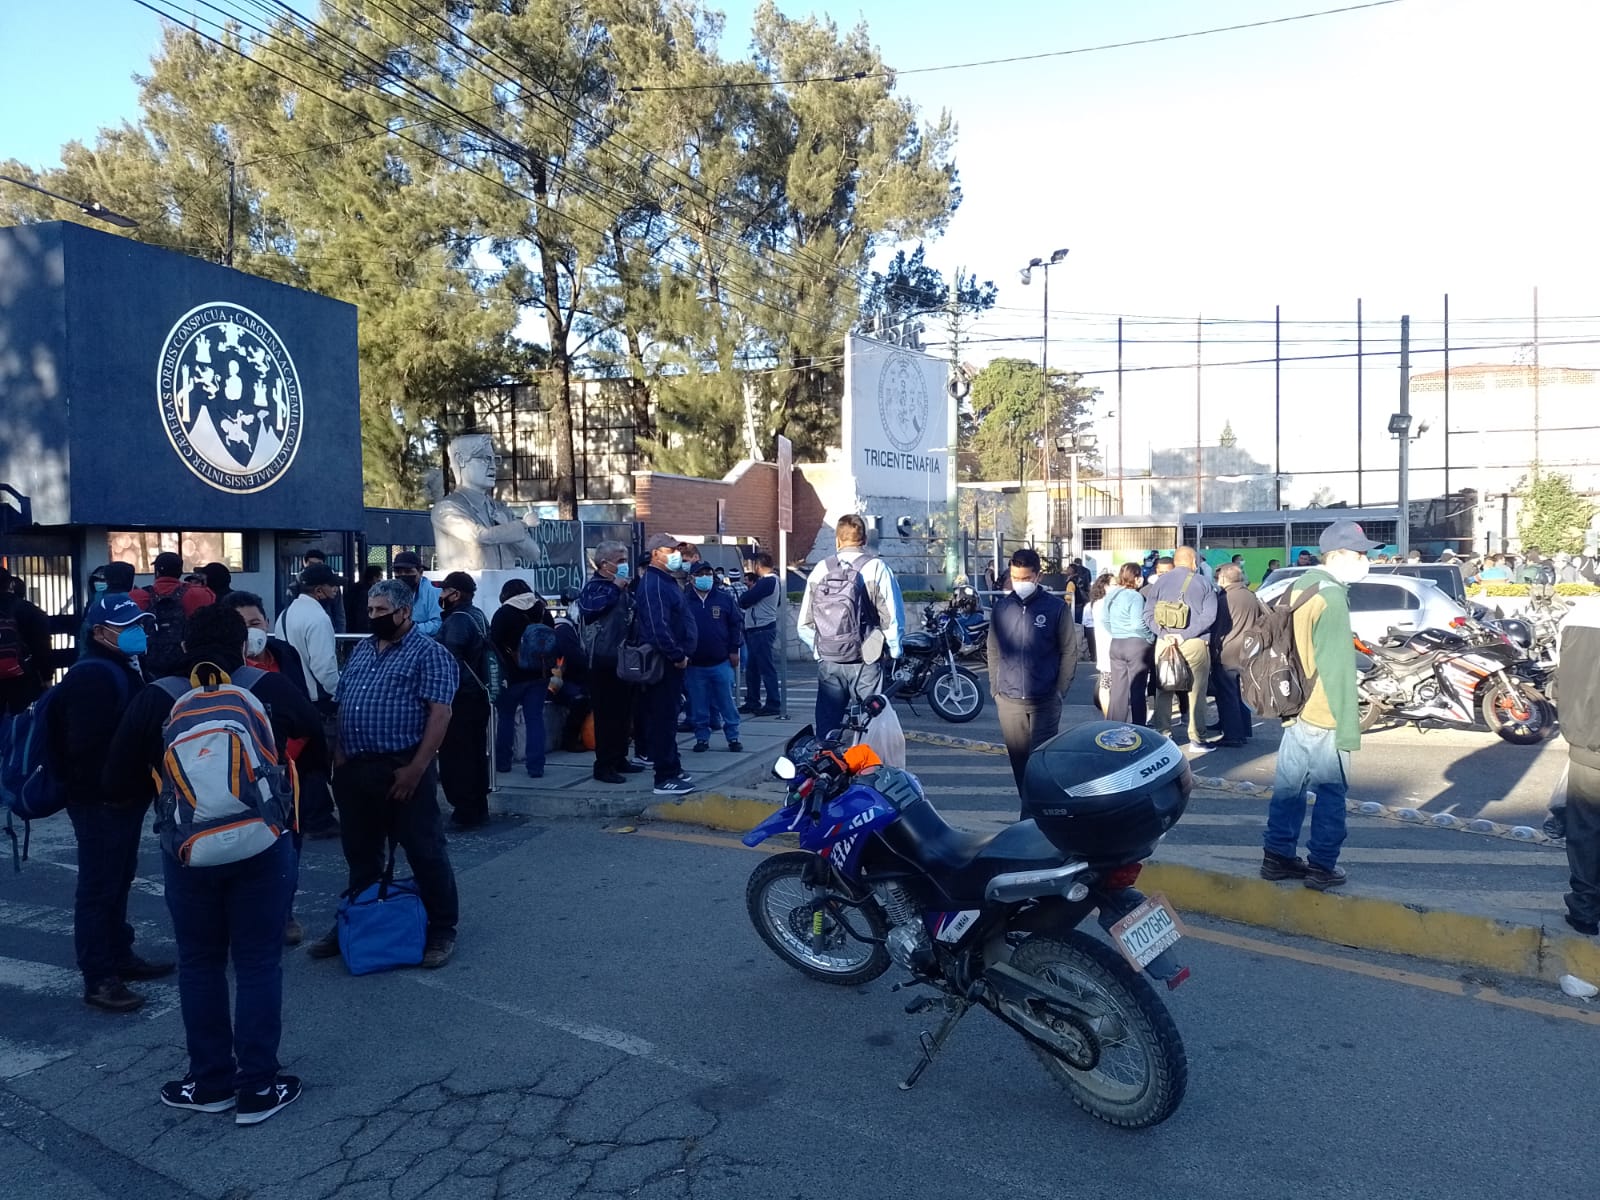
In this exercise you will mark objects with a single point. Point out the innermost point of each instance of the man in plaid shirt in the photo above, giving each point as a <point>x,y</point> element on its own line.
<point>394,708</point>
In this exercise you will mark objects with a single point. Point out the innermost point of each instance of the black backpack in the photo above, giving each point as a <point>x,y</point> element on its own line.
<point>14,657</point>
<point>602,637</point>
<point>164,654</point>
<point>1272,676</point>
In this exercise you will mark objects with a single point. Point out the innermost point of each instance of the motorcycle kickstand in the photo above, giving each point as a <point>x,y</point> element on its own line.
<point>932,1043</point>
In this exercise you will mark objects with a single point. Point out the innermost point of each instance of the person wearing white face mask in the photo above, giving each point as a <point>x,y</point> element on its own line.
<point>1034,649</point>
<point>1313,754</point>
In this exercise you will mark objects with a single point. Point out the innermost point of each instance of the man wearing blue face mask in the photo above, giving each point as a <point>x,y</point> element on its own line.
<point>718,632</point>
<point>110,582</point>
<point>89,705</point>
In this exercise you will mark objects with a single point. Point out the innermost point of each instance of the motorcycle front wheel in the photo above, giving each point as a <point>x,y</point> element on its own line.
<point>780,904</point>
<point>1368,713</point>
<point>1139,1077</point>
<point>956,695</point>
<point>1517,715</point>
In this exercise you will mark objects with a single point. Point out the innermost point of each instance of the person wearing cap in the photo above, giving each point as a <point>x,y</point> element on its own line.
<point>115,579</point>
<point>89,705</point>
<point>305,625</point>
<point>663,620</point>
<point>426,613</point>
<point>168,568</point>
<point>464,756</point>
<point>1313,754</point>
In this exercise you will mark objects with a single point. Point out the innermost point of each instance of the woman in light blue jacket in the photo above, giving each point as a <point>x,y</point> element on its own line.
<point>1132,654</point>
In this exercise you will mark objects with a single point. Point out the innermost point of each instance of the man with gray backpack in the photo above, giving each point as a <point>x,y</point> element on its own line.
<point>850,615</point>
<point>213,732</point>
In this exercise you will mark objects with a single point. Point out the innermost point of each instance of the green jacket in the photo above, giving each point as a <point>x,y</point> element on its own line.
<point>1327,654</point>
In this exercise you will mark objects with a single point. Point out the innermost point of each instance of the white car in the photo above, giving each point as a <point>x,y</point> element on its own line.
<point>1382,602</point>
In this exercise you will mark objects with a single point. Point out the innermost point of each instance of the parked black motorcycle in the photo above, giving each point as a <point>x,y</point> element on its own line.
<point>991,921</point>
<point>927,666</point>
<point>1441,675</point>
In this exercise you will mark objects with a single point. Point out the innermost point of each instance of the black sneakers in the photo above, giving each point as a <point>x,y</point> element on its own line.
<point>186,1093</point>
<point>113,996</point>
<point>1276,867</point>
<point>256,1107</point>
<point>438,950</point>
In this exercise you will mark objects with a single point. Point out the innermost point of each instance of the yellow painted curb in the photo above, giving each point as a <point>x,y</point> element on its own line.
<point>737,814</point>
<point>1364,922</point>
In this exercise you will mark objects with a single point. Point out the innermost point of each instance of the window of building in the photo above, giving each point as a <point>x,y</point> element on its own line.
<point>139,547</point>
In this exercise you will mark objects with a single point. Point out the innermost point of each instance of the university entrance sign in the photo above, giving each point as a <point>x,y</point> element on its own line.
<point>168,392</point>
<point>229,397</point>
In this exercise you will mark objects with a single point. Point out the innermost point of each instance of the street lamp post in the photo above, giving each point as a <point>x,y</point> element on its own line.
<point>91,208</point>
<point>1026,275</point>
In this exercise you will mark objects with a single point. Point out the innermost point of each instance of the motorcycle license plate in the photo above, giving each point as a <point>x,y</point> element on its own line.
<point>1147,931</point>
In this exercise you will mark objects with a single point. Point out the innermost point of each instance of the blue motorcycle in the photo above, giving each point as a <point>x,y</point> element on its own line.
<point>991,920</point>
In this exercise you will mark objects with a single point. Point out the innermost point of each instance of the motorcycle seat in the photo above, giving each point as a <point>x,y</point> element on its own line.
<point>963,862</point>
<point>1404,652</point>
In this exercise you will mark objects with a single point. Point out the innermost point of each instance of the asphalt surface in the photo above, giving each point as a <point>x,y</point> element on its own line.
<point>612,1026</point>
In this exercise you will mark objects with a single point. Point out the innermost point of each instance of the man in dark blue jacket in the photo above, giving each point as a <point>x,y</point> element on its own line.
<point>1179,608</point>
<point>663,620</point>
<point>760,602</point>
<point>1033,654</point>
<point>718,628</point>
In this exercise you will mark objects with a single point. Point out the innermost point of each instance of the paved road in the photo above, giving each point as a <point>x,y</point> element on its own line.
<point>611,1026</point>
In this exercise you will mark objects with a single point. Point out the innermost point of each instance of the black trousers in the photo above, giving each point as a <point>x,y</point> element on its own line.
<point>1583,842</point>
<point>1025,725</point>
<point>1130,680</point>
<point>613,713</point>
<point>1231,710</point>
<point>661,723</point>
<point>108,859</point>
<point>369,820</point>
<point>464,754</point>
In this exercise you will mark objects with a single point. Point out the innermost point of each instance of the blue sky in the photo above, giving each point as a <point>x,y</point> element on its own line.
<point>1395,154</point>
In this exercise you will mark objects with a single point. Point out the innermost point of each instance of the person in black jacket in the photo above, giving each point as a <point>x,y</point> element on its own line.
<point>663,620</point>
<point>1237,614</point>
<point>604,606</point>
<point>92,698</point>
<point>233,911</point>
<point>24,651</point>
<point>464,756</point>
<point>1033,654</point>
<point>524,688</point>
<point>1578,677</point>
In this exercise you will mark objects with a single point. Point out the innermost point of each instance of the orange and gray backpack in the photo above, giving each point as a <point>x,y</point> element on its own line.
<point>225,794</point>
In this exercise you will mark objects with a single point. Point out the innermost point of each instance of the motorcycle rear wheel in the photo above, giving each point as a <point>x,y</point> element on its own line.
<point>779,902</point>
<point>1369,714</point>
<point>1142,1071</point>
<point>956,695</point>
<point>1516,715</point>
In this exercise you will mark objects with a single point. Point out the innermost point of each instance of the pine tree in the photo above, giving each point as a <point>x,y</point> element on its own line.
<point>1553,516</point>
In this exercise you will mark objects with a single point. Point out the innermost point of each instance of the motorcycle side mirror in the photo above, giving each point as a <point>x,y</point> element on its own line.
<point>784,768</point>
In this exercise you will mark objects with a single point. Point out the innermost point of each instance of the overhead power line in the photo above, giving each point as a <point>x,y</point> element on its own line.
<point>856,76</point>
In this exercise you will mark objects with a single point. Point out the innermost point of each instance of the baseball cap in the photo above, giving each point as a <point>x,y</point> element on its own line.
<point>1345,535</point>
<point>317,575</point>
<point>407,558</point>
<point>119,611</point>
<point>661,541</point>
<point>461,582</point>
<point>703,568</point>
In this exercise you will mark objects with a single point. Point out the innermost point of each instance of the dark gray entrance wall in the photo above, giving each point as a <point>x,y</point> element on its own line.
<point>139,386</point>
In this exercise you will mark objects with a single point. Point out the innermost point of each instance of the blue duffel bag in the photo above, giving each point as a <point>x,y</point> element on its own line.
<point>384,926</point>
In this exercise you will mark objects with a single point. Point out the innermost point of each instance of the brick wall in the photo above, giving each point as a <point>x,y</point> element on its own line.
<point>688,507</point>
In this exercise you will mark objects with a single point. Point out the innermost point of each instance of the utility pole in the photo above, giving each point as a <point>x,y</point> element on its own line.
<point>1447,395</point>
<point>1277,408</point>
<point>1198,505</point>
<point>1403,525</point>
<point>1536,385</point>
<point>1361,366</point>
<point>1122,413</point>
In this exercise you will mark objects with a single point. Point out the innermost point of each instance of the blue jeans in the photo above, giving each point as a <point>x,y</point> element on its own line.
<point>235,910</point>
<point>1308,760</point>
<point>840,683</point>
<point>711,695</point>
<point>761,668</point>
<point>108,859</point>
<point>528,696</point>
